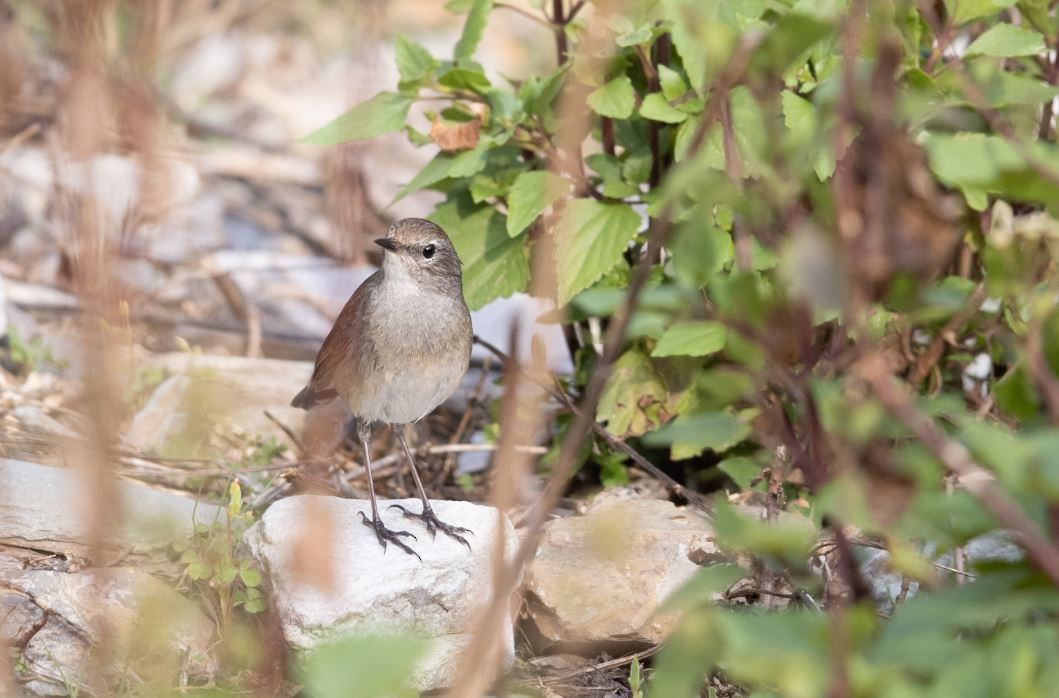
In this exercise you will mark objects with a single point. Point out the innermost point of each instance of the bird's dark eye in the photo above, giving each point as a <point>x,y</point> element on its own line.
<point>429,251</point>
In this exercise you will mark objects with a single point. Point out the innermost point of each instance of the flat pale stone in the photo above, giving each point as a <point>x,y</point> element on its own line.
<point>602,576</point>
<point>62,621</point>
<point>232,390</point>
<point>329,577</point>
<point>44,508</point>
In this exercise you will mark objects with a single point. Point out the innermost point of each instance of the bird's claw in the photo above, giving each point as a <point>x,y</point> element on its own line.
<point>434,524</point>
<point>387,535</point>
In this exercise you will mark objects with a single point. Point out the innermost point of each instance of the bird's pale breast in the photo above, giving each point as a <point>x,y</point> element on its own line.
<point>419,349</point>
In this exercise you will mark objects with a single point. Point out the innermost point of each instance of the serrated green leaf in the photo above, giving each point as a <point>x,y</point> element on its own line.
<point>656,108</point>
<point>414,62</point>
<point>634,398</point>
<point>963,11</point>
<point>473,28</point>
<point>465,79</point>
<point>494,264</point>
<point>592,237</point>
<point>717,431</point>
<point>692,338</point>
<point>616,99</point>
<point>530,195</point>
<point>1006,41</point>
<point>384,113</point>
<point>444,165</point>
<point>672,83</point>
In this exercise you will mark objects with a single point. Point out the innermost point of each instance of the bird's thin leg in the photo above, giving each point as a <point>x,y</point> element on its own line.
<point>381,532</point>
<point>428,517</point>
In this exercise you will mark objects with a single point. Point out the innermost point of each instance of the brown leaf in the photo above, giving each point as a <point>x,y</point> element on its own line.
<point>455,136</point>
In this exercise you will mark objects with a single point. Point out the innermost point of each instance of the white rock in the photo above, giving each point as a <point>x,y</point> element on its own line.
<point>602,576</point>
<point>63,620</point>
<point>377,591</point>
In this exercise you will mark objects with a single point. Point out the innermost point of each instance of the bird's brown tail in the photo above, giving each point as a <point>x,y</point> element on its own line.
<point>304,399</point>
<point>309,397</point>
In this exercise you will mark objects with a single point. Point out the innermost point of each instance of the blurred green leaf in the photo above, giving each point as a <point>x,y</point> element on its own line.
<point>1005,41</point>
<point>963,11</point>
<point>692,338</point>
<point>383,113</point>
<point>717,431</point>
<point>368,666</point>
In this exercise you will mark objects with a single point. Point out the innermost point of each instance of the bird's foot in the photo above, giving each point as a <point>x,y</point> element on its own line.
<point>433,524</point>
<point>386,535</point>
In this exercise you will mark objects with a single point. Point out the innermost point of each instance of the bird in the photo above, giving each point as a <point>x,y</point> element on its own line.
<point>399,348</point>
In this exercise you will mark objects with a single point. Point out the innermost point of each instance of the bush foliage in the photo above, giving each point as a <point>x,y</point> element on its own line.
<point>848,209</point>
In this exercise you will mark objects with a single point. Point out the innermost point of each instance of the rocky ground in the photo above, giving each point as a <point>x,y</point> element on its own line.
<point>184,518</point>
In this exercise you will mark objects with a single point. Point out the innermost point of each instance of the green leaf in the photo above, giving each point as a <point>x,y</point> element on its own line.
<point>741,469</point>
<point>692,338</point>
<point>656,108</point>
<point>671,82</point>
<point>414,62</point>
<point>592,237</point>
<point>444,165</point>
<point>616,99</point>
<point>473,29</point>
<point>963,11</point>
<point>383,113</point>
<point>361,665</point>
<point>1006,40</point>
<point>250,576</point>
<point>717,431</point>
<point>699,252</point>
<point>987,163</point>
<point>609,168</point>
<point>788,538</point>
<point>494,264</point>
<point>714,579</point>
<point>465,79</point>
<point>634,398</point>
<point>530,195</point>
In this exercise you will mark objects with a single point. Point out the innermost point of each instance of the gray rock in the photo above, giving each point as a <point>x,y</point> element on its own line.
<point>91,628</point>
<point>603,576</point>
<point>886,584</point>
<point>235,391</point>
<point>162,418</point>
<point>43,508</point>
<point>363,589</point>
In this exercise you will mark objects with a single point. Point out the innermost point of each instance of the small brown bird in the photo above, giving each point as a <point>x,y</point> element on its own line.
<point>399,348</point>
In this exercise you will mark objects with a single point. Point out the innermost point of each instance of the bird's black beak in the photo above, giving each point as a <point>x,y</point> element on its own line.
<point>387,244</point>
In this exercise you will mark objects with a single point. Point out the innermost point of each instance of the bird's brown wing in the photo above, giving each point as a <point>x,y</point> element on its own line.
<point>336,347</point>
